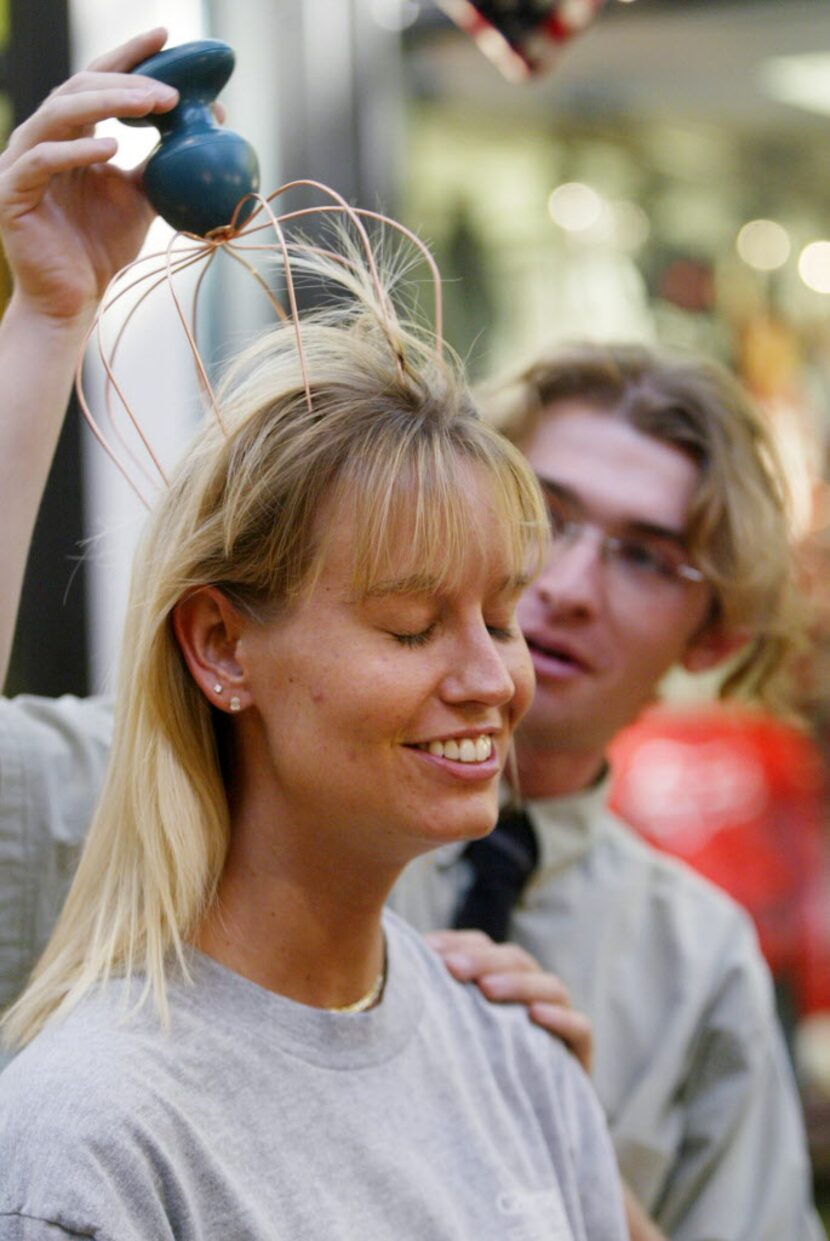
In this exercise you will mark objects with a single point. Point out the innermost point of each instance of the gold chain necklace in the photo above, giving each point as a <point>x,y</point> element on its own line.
<point>369,1000</point>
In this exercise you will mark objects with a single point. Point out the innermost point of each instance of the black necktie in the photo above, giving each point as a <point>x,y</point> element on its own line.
<point>502,863</point>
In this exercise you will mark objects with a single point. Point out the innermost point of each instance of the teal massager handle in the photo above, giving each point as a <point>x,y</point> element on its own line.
<point>199,171</point>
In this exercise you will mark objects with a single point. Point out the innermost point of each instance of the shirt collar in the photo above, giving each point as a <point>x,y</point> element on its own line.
<point>565,826</point>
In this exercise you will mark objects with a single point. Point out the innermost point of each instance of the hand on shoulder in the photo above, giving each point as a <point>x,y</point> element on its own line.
<point>507,974</point>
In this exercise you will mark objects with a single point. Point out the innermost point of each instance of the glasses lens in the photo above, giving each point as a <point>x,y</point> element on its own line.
<point>642,563</point>
<point>647,564</point>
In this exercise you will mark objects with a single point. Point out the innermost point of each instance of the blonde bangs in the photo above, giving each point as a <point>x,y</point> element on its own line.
<point>420,524</point>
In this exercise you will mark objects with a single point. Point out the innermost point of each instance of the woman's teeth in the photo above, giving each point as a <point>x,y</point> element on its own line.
<point>468,750</point>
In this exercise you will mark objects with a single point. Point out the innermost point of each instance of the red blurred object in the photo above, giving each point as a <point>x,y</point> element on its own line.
<point>741,797</point>
<point>688,284</point>
<point>522,37</point>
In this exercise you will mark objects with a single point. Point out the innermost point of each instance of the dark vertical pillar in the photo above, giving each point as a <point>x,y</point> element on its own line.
<point>50,652</point>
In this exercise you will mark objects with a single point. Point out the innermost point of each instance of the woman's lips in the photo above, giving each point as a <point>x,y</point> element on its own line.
<point>469,758</point>
<point>464,749</point>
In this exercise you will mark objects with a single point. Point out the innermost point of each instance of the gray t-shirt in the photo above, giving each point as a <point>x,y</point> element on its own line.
<point>434,1116</point>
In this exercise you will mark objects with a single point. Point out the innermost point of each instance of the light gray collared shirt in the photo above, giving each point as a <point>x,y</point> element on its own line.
<point>53,755</point>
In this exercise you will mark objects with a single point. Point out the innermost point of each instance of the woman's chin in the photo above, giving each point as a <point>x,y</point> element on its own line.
<point>471,824</point>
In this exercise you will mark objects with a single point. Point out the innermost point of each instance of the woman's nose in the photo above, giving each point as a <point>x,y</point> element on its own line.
<point>479,671</point>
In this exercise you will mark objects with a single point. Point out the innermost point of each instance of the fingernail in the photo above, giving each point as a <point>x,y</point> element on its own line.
<point>543,1010</point>
<point>495,984</point>
<point>459,962</point>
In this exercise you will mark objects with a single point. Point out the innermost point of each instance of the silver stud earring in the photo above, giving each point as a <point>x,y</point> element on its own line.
<point>234,704</point>
<point>217,689</point>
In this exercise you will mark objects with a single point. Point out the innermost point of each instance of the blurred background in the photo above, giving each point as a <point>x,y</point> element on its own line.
<point>668,181</point>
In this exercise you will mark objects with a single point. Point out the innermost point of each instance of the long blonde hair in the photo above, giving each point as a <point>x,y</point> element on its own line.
<point>391,431</point>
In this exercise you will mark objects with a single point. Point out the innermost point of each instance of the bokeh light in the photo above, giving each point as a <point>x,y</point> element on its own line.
<point>814,266</point>
<point>575,207</point>
<point>764,245</point>
<point>395,15</point>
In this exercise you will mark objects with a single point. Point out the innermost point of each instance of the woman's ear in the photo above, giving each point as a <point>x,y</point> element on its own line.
<point>208,628</point>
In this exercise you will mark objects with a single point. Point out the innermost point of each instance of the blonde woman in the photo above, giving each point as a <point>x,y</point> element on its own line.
<point>321,674</point>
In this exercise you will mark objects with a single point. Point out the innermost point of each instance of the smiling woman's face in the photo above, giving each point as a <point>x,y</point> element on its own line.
<point>385,719</point>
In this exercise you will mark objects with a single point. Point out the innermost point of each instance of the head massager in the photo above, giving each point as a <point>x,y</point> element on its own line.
<point>198,176</point>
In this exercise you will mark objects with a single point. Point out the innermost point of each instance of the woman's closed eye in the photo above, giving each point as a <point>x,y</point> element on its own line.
<point>503,633</point>
<point>500,633</point>
<point>415,639</point>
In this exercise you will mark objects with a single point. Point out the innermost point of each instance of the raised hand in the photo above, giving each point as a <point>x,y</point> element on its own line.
<point>68,219</point>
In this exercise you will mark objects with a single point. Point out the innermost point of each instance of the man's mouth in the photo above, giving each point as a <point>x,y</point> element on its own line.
<point>563,656</point>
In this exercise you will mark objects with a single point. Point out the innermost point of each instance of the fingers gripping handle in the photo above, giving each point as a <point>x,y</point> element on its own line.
<point>199,172</point>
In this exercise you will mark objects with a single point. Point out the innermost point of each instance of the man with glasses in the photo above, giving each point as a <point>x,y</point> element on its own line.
<point>669,547</point>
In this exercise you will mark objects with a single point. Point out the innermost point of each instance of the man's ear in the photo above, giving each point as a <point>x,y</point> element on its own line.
<point>208,628</point>
<point>713,646</point>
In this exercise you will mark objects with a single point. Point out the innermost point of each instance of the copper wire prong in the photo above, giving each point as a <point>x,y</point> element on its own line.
<point>235,241</point>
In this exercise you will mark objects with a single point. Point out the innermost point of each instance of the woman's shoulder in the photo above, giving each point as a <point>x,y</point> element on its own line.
<point>69,1102</point>
<point>499,1052</point>
<point>502,1030</point>
<point>86,1053</point>
<point>109,1051</point>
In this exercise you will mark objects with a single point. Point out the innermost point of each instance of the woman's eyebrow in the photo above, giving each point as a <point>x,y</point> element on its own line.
<point>428,584</point>
<point>411,584</point>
